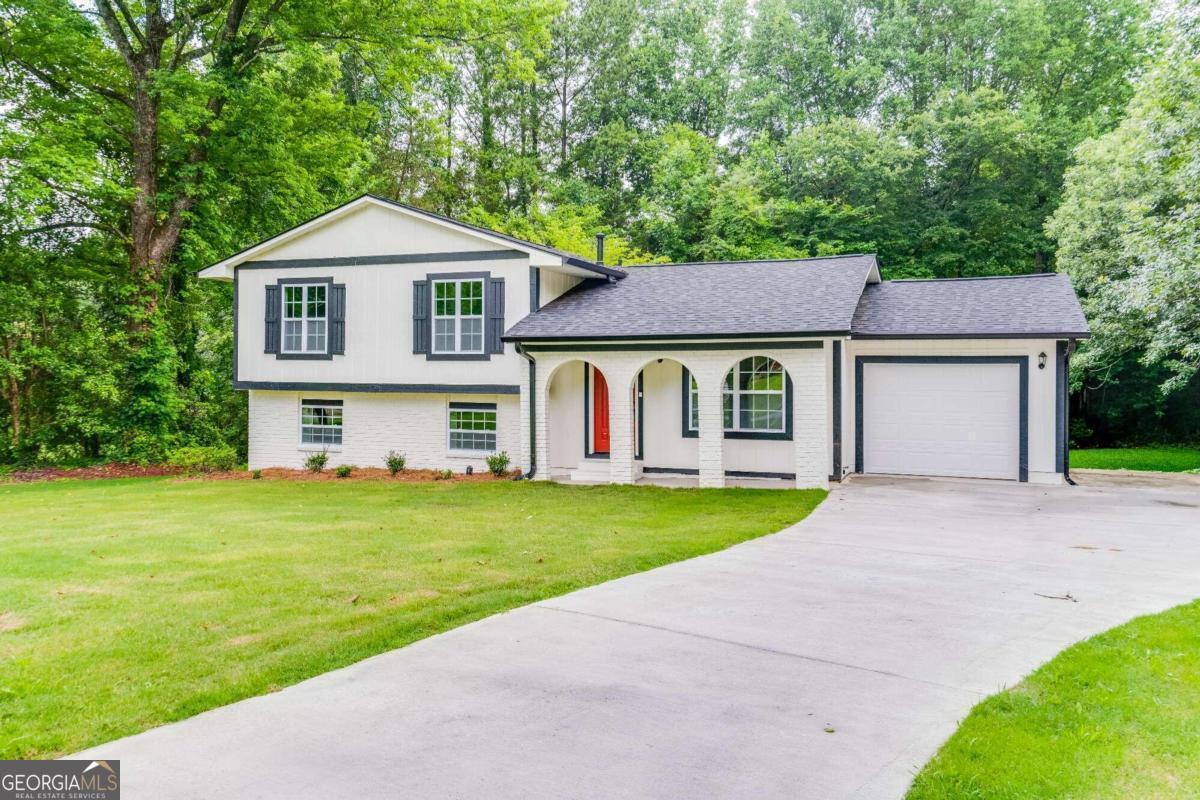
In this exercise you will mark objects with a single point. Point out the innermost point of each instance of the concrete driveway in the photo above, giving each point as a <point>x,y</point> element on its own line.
<point>829,660</point>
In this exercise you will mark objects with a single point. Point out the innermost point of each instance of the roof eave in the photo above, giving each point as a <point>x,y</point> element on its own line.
<point>989,335</point>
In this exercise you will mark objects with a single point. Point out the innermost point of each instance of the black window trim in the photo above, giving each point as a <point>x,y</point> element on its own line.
<point>786,435</point>
<point>458,276</point>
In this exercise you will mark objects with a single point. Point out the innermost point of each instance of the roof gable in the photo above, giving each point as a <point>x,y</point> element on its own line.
<point>372,226</point>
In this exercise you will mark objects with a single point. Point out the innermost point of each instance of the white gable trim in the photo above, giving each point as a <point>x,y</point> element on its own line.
<point>223,270</point>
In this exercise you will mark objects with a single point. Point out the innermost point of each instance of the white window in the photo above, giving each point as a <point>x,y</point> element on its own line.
<point>753,398</point>
<point>458,316</point>
<point>473,427</point>
<point>321,423</point>
<point>305,320</point>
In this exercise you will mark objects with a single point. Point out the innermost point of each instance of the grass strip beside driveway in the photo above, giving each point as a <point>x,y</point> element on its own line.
<point>1113,717</point>
<point>125,604</point>
<point>1146,459</point>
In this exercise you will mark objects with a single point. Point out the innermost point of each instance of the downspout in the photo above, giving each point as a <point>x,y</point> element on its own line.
<point>532,415</point>
<point>1067,414</point>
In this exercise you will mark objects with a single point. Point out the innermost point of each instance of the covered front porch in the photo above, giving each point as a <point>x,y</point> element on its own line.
<point>707,414</point>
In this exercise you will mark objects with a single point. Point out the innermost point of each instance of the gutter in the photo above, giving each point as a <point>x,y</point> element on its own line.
<point>528,476</point>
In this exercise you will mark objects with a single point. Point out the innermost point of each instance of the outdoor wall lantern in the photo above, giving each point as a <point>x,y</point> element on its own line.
<point>1041,360</point>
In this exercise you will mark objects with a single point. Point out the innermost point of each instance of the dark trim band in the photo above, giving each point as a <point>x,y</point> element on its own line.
<point>1022,363</point>
<point>317,402</point>
<point>729,473</point>
<point>380,388</point>
<point>454,406</point>
<point>1049,335</point>
<point>643,347</point>
<point>383,260</point>
<point>549,343</point>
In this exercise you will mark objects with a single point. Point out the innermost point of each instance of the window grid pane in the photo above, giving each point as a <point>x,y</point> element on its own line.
<point>757,405</point>
<point>473,430</point>
<point>458,316</point>
<point>320,425</point>
<point>304,318</point>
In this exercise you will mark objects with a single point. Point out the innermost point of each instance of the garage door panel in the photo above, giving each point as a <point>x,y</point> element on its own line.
<point>951,419</point>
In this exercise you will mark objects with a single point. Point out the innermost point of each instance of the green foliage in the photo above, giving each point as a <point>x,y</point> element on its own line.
<point>204,459</point>
<point>443,475</point>
<point>1128,232</point>
<point>343,470</point>
<point>497,463</point>
<point>935,134</point>
<point>256,475</point>
<point>395,462</point>
<point>316,462</point>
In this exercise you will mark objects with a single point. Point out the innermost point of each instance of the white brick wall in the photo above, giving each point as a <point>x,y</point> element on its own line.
<point>373,424</point>
<point>810,397</point>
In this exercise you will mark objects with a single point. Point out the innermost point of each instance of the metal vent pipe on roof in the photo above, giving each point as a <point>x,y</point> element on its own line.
<point>600,248</point>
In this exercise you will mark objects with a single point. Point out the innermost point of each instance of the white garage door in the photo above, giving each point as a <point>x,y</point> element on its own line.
<point>958,420</point>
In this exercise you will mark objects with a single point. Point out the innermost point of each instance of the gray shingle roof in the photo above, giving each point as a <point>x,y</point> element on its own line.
<point>738,298</point>
<point>1026,305</point>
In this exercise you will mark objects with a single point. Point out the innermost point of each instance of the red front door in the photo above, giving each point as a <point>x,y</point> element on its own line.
<point>599,412</point>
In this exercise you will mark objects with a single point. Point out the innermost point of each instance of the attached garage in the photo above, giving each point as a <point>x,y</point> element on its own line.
<point>954,416</point>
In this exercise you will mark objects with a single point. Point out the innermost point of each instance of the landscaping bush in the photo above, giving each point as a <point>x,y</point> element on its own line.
<point>317,461</point>
<point>498,463</point>
<point>204,459</point>
<point>395,462</point>
<point>343,471</point>
<point>256,475</point>
<point>443,475</point>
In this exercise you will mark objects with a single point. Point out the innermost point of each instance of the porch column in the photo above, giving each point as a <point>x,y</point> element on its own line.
<point>546,364</point>
<point>810,414</point>
<point>620,424</point>
<point>712,432</point>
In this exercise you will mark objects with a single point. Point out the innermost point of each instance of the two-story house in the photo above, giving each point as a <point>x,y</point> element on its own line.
<point>378,327</point>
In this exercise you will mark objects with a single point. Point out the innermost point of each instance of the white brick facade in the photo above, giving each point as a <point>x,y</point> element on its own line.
<point>374,423</point>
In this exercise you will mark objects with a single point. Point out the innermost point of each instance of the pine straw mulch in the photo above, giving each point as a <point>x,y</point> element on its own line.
<point>117,470</point>
<point>359,474</point>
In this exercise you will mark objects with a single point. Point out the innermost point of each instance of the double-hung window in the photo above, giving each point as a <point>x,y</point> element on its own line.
<point>305,318</point>
<point>321,423</point>
<point>753,400</point>
<point>473,427</point>
<point>458,316</point>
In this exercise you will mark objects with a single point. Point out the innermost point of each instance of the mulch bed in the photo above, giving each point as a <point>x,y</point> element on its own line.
<point>101,471</point>
<point>91,473</point>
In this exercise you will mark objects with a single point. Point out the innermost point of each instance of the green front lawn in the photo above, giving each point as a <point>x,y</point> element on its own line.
<point>1116,716</point>
<point>125,604</point>
<point>1153,459</point>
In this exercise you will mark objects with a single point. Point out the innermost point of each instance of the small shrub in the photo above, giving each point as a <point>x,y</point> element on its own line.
<point>256,475</point>
<point>203,459</point>
<point>343,471</point>
<point>498,463</point>
<point>317,461</point>
<point>443,475</point>
<point>395,462</point>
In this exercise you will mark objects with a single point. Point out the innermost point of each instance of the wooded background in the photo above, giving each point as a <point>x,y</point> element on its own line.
<point>145,139</point>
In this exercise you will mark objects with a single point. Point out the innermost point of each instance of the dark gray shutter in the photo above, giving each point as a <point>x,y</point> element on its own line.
<point>495,315</point>
<point>271,336</point>
<point>420,316</point>
<point>337,319</point>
